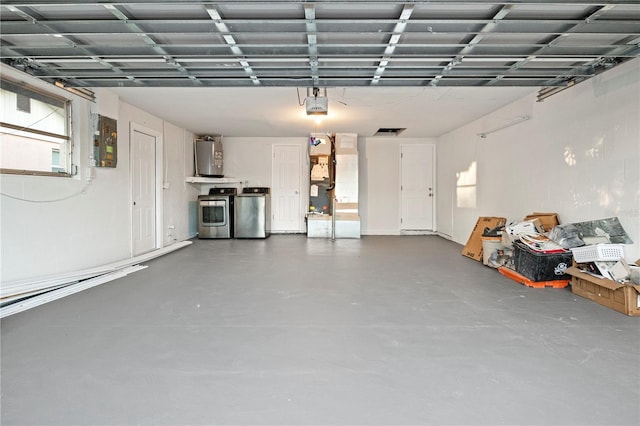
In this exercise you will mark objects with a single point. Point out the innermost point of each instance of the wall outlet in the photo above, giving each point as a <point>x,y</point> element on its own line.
<point>166,185</point>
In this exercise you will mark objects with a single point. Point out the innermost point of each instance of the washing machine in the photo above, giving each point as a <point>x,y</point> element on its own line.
<point>253,213</point>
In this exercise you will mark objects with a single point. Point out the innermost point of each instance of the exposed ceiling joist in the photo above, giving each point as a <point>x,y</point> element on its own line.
<point>317,43</point>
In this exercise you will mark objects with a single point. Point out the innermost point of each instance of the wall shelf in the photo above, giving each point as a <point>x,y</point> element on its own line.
<point>212,180</point>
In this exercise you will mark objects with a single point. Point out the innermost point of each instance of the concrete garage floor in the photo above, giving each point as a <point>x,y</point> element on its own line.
<point>382,330</point>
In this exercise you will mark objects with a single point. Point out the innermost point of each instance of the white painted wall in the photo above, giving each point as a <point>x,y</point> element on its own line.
<point>179,197</point>
<point>380,183</point>
<point>93,226</point>
<point>578,155</point>
<point>249,159</point>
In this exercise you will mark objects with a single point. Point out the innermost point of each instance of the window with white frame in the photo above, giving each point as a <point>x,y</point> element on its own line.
<point>35,131</point>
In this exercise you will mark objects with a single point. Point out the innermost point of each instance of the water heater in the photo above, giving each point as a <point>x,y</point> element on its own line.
<point>208,156</point>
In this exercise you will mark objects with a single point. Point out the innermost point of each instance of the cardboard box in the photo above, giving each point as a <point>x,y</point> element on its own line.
<point>473,248</point>
<point>346,144</point>
<point>622,297</point>
<point>548,220</point>
<point>530,227</point>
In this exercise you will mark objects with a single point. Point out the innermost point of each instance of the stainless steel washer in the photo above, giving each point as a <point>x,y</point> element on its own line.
<point>253,213</point>
<point>216,213</point>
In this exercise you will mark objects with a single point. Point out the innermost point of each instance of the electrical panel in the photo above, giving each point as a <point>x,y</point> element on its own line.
<point>105,142</point>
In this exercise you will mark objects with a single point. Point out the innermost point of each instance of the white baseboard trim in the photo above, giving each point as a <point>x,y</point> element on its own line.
<point>288,232</point>
<point>416,232</point>
<point>381,232</point>
<point>445,236</point>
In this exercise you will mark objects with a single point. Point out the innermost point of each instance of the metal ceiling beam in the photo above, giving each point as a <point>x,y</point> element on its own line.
<point>471,44</point>
<point>399,28</point>
<point>31,16</point>
<point>327,82</point>
<point>477,42</point>
<point>271,71</point>
<point>231,42</point>
<point>312,40</point>
<point>554,39</point>
<point>257,35</point>
<point>345,25</point>
<point>122,16</point>
<point>284,62</point>
<point>257,2</point>
<point>302,72</point>
<point>48,50</point>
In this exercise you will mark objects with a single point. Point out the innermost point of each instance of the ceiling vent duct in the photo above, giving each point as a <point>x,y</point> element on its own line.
<point>317,105</point>
<point>389,131</point>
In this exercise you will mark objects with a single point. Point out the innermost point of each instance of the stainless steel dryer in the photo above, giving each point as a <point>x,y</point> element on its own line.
<point>253,213</point>
<point>216,213</point>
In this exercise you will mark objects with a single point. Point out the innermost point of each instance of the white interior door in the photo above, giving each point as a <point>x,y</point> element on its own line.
<point>417,191</point>
<point>145,202</point>
<point>286,189</point>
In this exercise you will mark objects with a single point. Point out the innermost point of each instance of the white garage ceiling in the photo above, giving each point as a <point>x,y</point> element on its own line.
<point>275,111</point>
<point>233,67</point>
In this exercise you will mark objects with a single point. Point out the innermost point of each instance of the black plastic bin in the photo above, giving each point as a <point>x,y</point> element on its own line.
<point>540,266</point>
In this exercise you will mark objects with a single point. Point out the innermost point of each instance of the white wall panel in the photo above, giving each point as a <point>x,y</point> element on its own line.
<point>92,228</point>
<point>578,155</point>
<point>178,194</point>
<point>250,159</point>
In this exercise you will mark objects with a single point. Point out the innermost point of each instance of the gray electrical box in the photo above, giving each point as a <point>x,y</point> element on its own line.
<point>105,142</point>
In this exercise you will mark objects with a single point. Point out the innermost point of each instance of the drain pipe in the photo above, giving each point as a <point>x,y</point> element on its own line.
<point>333,219</point>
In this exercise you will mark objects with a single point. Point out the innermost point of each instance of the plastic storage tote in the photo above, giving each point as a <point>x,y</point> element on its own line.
<point>541,266</point>
<point>598,252</point>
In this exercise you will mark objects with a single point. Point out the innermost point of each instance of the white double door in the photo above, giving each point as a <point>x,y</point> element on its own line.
<point>417,192</point>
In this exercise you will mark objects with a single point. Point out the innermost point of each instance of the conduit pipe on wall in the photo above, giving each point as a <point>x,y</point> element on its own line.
<point>513,123</point>
<point>333,218</point>
<point>550,91</point>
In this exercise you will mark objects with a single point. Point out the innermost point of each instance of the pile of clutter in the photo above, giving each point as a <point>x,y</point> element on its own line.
<point>540,252</point>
